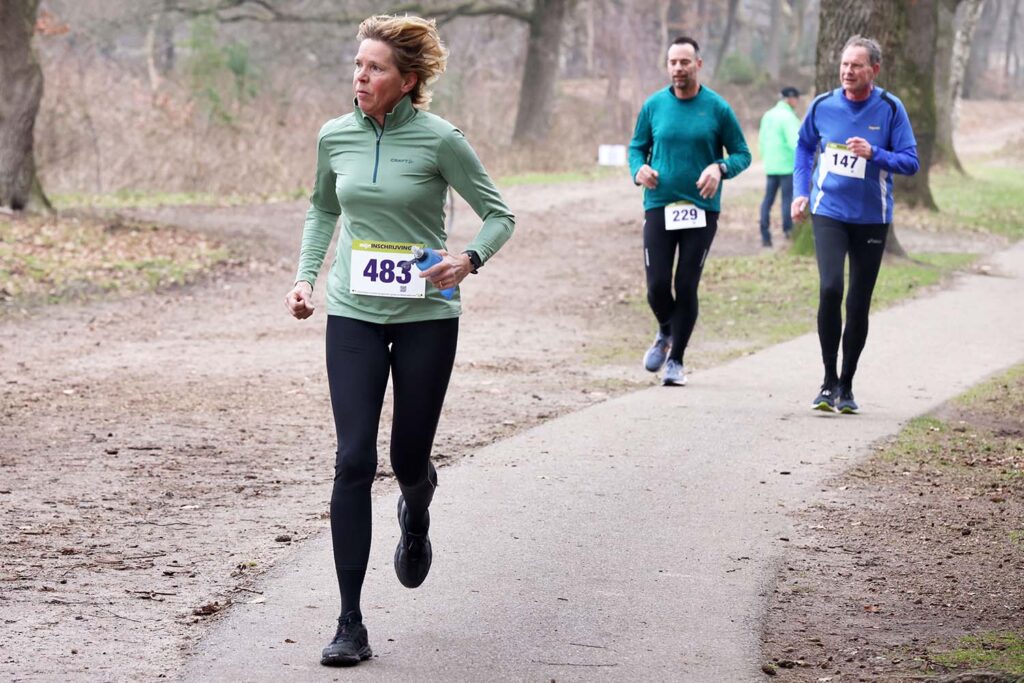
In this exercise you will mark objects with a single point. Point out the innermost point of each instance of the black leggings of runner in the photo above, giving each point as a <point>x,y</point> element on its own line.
<point>676,315</point>
<point>865,243</point>
<point>360,355</point>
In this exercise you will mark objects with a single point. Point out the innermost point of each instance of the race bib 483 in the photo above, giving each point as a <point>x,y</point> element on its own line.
<point>374,270</point>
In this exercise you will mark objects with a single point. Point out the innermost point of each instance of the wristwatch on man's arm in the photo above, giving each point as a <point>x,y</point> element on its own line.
<point>474,260</point>
<point>723,168</point>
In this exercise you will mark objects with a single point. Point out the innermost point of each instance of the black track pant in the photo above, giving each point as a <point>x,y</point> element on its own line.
<point>865,244</point>
<point>676,314</point>
<point>360,355</point>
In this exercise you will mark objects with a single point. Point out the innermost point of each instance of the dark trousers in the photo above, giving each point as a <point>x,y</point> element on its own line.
<point>772,186</point>
<point>676,314</point>
<point>865,245</point>
<point>360,355</point>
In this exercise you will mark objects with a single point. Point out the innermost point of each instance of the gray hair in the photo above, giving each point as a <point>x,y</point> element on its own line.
<point>872,46</point>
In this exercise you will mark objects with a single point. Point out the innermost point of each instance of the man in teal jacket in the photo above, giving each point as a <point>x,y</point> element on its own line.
<point>687,140</point>
<point>777,142</point>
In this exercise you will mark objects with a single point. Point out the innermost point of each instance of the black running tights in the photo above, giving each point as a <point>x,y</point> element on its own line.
<point>360,355</point>
<point>676,315</point>
<point>865,244</point>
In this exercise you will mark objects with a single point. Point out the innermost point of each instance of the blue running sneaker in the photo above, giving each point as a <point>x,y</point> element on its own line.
<point>656,355</point>
<point>826,399</point>
<point>675,374</point>
<point>846,404</point>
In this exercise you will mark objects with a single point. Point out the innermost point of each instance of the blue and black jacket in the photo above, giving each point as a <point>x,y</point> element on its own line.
<point>882,120</point>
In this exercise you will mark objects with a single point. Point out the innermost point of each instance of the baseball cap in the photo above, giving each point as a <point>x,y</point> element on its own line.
<point>790,91</point>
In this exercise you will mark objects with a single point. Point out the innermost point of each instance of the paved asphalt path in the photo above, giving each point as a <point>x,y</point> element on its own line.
<point>637,539</point>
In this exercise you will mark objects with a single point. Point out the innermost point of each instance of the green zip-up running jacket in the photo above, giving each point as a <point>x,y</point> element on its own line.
<point>777,137</point>
<point>389,185</point>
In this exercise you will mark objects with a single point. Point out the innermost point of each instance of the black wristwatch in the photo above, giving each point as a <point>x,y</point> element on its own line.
<point>723,168</point>
<point>474,260</point>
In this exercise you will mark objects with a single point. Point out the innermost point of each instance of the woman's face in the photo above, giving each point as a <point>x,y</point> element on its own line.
<point>377,82</point>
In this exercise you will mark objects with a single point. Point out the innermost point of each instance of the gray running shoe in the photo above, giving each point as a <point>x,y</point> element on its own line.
<point>674,375</point>
<point>846,404</point>
<point>656,355</point>
<point>826,399</point>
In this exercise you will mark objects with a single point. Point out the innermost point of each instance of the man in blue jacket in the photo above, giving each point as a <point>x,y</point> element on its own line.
<point>863,137</point>
<point>678,154</point>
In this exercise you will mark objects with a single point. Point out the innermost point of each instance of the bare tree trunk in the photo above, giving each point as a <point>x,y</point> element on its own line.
<point>949,87</point>
<point>540,76</point>
<point>944,44</point>
<point>664,7</point>
<point>981,46</point>
<point>588,23</point>
<point>797,24</point>
<point>912,75</point>
<point>160,45</point>
<point>840,19</point>
<point>151,70</point>
<point>21,80</point>
<point>1011,38</point>
<point>730,22</point>
<point>775,35</point>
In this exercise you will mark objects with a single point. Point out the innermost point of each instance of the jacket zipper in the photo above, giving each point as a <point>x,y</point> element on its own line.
<point>376,158</point>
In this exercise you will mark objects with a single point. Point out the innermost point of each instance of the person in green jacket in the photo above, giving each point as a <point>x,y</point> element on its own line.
<point>678,155</point>
<point>385,169</point>
<point>777,143</point>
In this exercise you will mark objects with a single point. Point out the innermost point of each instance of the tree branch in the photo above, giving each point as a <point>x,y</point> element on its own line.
<point>231,11</point>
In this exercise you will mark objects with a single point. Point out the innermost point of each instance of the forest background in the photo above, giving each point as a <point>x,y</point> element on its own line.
<point>226,98</point>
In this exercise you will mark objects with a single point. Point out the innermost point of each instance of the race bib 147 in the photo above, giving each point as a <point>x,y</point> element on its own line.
<point>838,159</point>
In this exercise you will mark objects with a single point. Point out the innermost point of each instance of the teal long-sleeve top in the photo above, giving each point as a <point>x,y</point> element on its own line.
<point>388,184</point>
<point>679,139</point>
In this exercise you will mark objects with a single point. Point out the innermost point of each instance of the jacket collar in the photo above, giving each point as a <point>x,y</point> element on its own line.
<point>399,116</point>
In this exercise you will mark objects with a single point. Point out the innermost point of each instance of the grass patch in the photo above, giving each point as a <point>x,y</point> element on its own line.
<point>62,258</point>
<point>901,278</point>
<point>986,201</point>
<point>1001,652</point>
<point>921,441</point>
<point>959,447</point>
<point>981,434</point>
<point>758,301</point>
<point>141,199</point>
<point>993,390</point>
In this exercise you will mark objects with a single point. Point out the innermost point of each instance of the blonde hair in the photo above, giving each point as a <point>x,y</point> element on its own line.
<point>416,47</point>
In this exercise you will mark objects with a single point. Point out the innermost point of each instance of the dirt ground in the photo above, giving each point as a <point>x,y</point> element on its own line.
<point>158,452</point>
<point>907,553</point>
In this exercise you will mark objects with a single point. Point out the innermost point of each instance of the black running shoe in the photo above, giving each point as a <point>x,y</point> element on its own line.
<point>413,554</point>
<point>826,399</point>
<point>351,643</point>
<point>846,404</point>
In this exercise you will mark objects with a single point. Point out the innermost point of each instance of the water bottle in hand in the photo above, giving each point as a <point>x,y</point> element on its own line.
<point>426,258</point>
